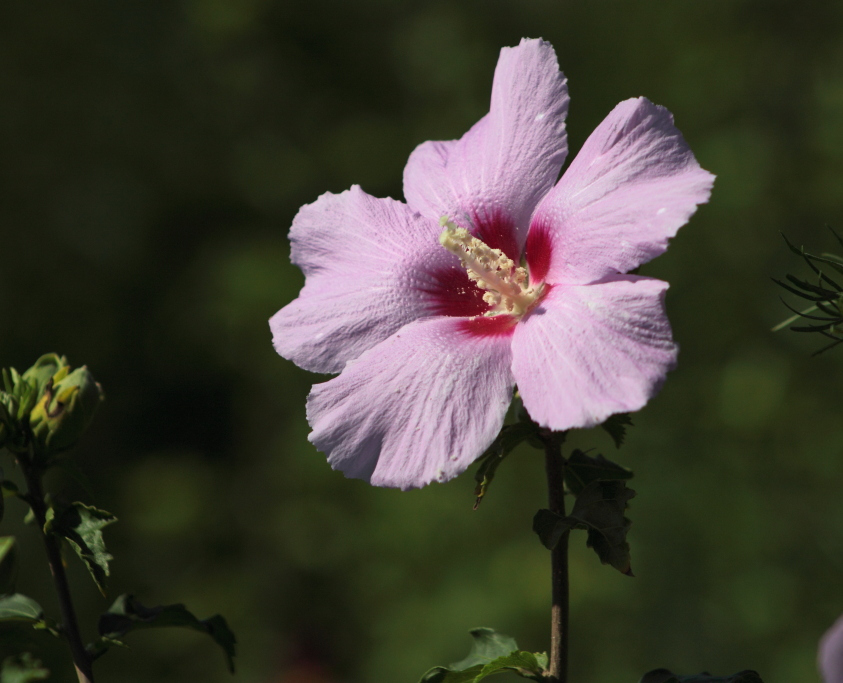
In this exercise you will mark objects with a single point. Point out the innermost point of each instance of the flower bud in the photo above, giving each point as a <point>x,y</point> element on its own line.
<point>47,367</point>
<point>65,408</point>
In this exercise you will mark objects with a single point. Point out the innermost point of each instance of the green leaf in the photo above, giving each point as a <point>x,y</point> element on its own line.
<point>550,527</point>
<point>82,526</point>
<point>22,668</point>
<point>582,470</point>
<point>8,564</point>
<point>491,653</point>
<point>127,614</point>
<point>18,607</point>
<point>525,664</point>
<point>510,436</point>
<point>616,426</point>
<point>665,676</point>
<point>599,509</point>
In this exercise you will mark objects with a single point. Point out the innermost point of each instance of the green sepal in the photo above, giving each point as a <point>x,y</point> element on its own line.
<point>22,668</point>
<point>616,426</point>
<point>8,564</point>
<point>510,437</point>
<point>127,614</point>
<point>82,526</point>
<point>50,366</point>
<point>665,676</point>
<point>491,653</point>
<point>21,608</point>
<point>599,509</point>
<point>582,469</point>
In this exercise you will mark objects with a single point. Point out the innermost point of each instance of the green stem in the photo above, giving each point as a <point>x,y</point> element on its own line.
<point>555,467</point>
<point>69,625</point>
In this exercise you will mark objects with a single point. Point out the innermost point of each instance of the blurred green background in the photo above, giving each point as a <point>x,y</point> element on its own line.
<point>152,156</point>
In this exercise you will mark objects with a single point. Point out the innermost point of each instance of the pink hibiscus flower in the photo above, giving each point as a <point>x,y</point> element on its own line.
<point>431,329</point>
<point>830,655</point>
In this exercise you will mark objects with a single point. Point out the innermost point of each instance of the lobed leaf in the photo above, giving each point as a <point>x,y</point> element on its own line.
<point>582,469</point>
<point>127,614</point>
<point>82,526</point>
<point>491,653</point>
<point>599,509</point>
<point>616,426</point>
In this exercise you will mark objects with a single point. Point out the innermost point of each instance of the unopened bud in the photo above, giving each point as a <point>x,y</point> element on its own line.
<point>64,409</point>
<point>48,367</point>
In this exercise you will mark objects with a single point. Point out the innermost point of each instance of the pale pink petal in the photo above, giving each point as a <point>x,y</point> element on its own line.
<point>420,406</point>
<point>371,266</point>
<point>634,183</point>
<point>493,178</point>
<point>588,351</point>
<point>830,656</point>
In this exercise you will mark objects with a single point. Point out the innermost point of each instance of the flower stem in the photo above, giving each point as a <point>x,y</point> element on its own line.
<point>555,467</point>
<point>69,625</point>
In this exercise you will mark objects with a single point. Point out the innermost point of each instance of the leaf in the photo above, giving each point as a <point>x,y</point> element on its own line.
<point>550,527</point>
<point>525,664</point>
<point>22,668</point>
<point>599,509</point>
<point>491,653</point>
<point>18,607</point>
<point>82,526</point>
<point>8,564</point>
<point>582,469</point>
<point>616,426</point>
<point>510,436</point>
<point>127,614</point>
<point>665,676</point>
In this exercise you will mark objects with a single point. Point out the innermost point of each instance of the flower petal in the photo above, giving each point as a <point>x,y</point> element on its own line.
<point>494,176</point>
<point>371,266</point>
<point>419,407</point>
<point>830,656</point>
<point>588,351</point>
<point>634,183</point>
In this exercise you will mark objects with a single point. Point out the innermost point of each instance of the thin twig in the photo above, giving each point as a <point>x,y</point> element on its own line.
<point>69,624</point>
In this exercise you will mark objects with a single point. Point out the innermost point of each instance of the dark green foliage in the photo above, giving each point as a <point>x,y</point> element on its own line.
<point>491,653</point>
<point>599,510</point>
<point>583,469</point>
<point>22,668</point>
<point>826,312</point>
<point>127,615</point>
<point>616,426</point>
<point>19,607</point>
<point>82,526</point>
